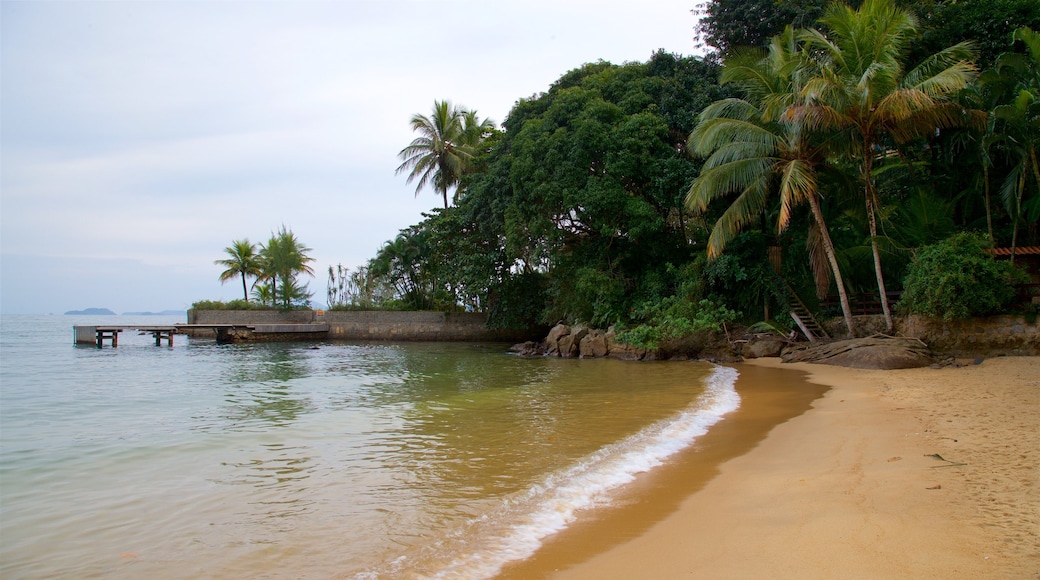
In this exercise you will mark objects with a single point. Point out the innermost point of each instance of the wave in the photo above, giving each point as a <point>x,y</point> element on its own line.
<point>517,529</point>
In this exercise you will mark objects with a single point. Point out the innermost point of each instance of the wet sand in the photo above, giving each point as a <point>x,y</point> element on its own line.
<point>919,473</point>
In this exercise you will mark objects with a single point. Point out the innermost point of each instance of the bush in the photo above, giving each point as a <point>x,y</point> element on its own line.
<point>957,279</point>
<point>674,318</point>
<point>229,305</point>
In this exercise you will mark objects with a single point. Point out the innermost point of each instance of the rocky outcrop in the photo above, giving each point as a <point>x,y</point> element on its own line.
<point>579,341</point>
<point>877,352</point>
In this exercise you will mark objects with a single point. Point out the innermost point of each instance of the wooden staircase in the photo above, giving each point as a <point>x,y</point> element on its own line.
<point>804,319</point>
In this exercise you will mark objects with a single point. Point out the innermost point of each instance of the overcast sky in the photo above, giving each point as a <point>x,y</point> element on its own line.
<point>140,138</point>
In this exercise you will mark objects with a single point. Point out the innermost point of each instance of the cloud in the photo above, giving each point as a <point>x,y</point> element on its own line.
<point>143,137</point>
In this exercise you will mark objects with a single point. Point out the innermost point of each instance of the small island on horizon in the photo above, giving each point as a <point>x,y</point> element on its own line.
<point>94,311</point>
<point>107,312</point>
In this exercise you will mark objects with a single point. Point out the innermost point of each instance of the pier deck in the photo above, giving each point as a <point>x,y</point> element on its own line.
<point>98,334</point>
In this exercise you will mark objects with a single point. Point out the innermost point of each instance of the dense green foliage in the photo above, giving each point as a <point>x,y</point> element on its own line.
<point>823,172</point>
<point>957,278</point>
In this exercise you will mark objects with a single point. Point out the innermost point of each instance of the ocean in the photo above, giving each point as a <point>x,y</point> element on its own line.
<point>316,460</point>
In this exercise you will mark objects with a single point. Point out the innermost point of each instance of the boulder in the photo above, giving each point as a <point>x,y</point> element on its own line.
<point>621,350</point>
<point>879,358</point>
<point>763,347</point>
<point>552,341</point>
<point>593,345</point>
<point>569,344</point>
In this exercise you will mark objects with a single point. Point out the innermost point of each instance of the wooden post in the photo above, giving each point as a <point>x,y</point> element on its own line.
<point>115,338</point>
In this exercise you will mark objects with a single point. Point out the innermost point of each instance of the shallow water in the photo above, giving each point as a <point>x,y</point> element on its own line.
<point>315,460</point>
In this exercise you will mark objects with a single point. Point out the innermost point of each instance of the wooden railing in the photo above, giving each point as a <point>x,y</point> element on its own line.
<point>861,304</point>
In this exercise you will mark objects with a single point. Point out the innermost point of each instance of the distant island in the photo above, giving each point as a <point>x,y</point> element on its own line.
<point>163,313</point>
<point>94,311</point>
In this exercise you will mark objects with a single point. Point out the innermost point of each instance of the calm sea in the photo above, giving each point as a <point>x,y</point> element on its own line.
<point>315,460</point>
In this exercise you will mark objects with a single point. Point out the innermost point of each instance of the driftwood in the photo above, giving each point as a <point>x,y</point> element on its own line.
<point>873,352</point>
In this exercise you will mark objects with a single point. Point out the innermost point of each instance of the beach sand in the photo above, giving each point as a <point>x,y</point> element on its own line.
<point>917,473</point>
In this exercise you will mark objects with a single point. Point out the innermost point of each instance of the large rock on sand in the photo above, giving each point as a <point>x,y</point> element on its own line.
<point>879,358</point>
<point>874,352</point>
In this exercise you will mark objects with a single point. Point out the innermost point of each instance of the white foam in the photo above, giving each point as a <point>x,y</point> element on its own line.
<point>550,506</point>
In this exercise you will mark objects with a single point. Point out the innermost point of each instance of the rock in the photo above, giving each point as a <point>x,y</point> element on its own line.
<point>879,357</point>
<point>621,350</point>
<point>569,345</point>
<point>529,348</point>
<point>762,348</point>
<point>552,341</point>
<point>593,345</point>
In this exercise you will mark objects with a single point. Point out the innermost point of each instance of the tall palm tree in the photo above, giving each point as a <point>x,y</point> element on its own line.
<point>242,261</point>
<point>444,150</point>
<point>758,148</point>
<point>863,93</point>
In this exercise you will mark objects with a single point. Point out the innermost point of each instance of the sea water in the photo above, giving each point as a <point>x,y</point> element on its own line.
<point>316,460</point>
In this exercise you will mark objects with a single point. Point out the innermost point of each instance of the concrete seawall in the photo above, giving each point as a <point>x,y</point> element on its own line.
<point>372,325</point>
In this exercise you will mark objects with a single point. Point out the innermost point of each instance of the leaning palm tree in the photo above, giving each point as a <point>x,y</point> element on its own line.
<point>863,94</point>
<point>444,150</point>
<point>757,148</point>
<point>242,261</point>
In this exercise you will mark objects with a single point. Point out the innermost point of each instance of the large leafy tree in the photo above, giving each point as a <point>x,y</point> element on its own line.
<point>759,149</point>
<point>444,151</point>
<point>865,96</point>
<point>242,261</point>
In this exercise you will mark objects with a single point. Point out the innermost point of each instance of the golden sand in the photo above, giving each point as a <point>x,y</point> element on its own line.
<point>919,473</point>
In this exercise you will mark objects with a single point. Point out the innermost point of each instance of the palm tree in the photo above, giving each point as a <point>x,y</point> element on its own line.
<point>444,150</point>
<point>863,93</point>
<point>1014,128</point>
<point>758,147</point>
<point>242,261</point>
<point>283,258</point>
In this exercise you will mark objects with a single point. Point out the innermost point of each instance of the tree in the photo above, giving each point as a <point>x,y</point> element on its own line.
<point>283,258</point>
<point>242,261</point>
<point>728,24</point>
<point>758,147</point>
<point>444,150</point>
<point>863,95</point>
<point>1014,129</point>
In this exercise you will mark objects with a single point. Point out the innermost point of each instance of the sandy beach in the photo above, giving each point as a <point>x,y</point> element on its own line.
<point>919,473</point>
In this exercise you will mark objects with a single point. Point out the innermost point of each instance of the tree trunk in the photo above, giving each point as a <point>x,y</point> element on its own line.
<point>828,248</point>
<point>873,220</point>
<point>245,292</point>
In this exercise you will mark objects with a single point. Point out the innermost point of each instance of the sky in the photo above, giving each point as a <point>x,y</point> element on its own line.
<point>138,139</point>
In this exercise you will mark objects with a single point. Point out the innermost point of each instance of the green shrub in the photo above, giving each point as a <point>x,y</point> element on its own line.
<point>673,318</point>
<point>957,279</point>
<point>229,305</point>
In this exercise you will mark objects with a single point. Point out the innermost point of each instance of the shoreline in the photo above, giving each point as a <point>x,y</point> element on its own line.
<point>850,488</point>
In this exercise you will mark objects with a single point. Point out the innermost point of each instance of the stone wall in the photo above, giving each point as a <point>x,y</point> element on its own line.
<point>374,325</point>
<point>1009,335</point>
<point>990,336</point>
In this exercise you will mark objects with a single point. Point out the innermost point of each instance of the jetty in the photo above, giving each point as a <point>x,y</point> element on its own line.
<point>98,334</point>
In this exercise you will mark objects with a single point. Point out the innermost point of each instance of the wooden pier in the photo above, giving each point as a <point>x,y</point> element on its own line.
<point>97,335</point>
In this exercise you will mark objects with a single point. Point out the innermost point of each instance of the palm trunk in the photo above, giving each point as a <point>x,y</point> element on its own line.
<point>872,221</point>
<point>245,292</point>
<point>828,248</point>
<point>989,210</point>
